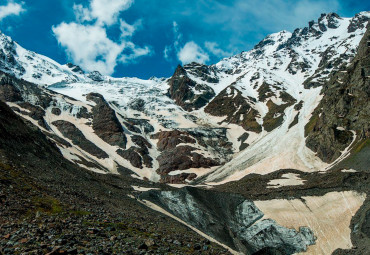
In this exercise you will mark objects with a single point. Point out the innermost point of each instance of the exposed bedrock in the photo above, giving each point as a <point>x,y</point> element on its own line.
<point>8,92</point>
<point>187,93</point>
<point>105,122</point>
<point>181,158</point>
<point>170,139</point>
<point>138,155</point>
<point>180,150</point>
<point>138,125</point>
<point>231,104</point>
<point>344,109</point>
<point>71,132</point>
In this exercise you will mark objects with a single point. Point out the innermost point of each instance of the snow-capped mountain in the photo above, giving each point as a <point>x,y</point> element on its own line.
<point>246,114</point>
<point>272,145</point>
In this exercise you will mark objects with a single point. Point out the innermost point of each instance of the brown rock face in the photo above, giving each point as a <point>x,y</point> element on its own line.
<point>264,92</point>
<point>71,132</point>
<point>138,125</point>
<point>131,155</point>
<point>178,153</point>
<point>56,111</point>
<point>36,113</point>
<point>8,92</point>
<point>105,122</point>
<point>344,107</point>
<point>182,91</point>
<point>275,116</point>
<point>170,139</point>
<point>236,108</point>
<point>182,158</point>
<point>138,155</point>
<point>178,179</point>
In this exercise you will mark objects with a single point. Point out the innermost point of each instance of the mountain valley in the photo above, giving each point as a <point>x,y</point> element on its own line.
<point>264,152</point>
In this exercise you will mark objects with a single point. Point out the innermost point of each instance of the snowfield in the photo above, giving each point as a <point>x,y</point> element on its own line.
<point>280,60</point>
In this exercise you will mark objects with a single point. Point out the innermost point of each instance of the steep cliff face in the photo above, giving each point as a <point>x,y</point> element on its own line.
<point>46,200</point>
<point>187,93</point>
<point>246,114</point>
<point>231,104</point>
<point>105,122</point>
<point>343,114</point>
<point>265,123</point>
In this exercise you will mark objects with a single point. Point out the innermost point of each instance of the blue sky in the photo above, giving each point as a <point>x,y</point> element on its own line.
<point>145,38</point>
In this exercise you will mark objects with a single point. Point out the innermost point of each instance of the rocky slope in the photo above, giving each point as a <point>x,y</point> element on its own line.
<point>285,125</point>
<point>247,113</point>
<point>343,113</point>
<point>51,206</point>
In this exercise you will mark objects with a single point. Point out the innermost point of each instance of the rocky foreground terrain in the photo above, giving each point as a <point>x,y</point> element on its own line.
<point>50,206</point>
<point>265,152</point>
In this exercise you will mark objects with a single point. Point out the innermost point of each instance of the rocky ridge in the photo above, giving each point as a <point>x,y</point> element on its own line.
<point>293,102</point>
<point>342,115</point>
<point>255,96</point>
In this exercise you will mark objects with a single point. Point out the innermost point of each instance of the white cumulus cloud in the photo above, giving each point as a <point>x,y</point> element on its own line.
<point>128,30</point>
<point>89,46</point>
<point>216,50</point>
<point>106,11</point>
<point>87,43</point>
<point>11,8</point>
<point>167,52</point>
<point>192,52</point>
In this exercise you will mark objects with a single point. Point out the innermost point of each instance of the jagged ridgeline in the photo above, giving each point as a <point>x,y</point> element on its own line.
<point>342,117</point>
<point>285,125</point>
<point>296,100</point>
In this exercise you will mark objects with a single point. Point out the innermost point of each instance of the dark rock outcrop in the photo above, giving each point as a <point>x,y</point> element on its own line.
<point>179,178</point>
<point>75,68</point>
<point>8,92</point>
<point>105,122</point>
<point>144,145</point>
<point>275,116</point>
<point>204,72</point>
<point>132,156</point>
<point>344,107</point>
<point>170,139</point>
<point>181,158</point>
<point>295,121</point>
<point>242,139</point>
<point>264,92</point>
<point>35,112</point>
<point>96,76</point>
<point>137,104</point>
<point>71,132</point>
<point>83,113</point>
<point>358,22</point>
<point>56,111</point>
<point>236,108</point>
<point>187,93</point>
<point>138,125</point>
<point>23,91</point>
<point>331,19</point>
<point>138,155</point>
